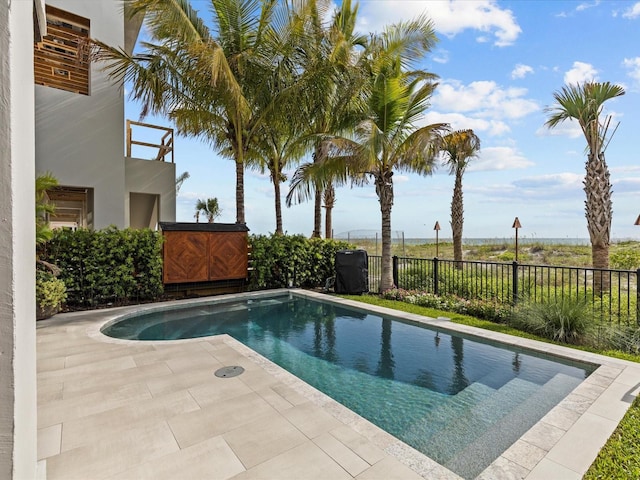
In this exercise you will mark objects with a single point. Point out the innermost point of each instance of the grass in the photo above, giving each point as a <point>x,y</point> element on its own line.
<point>619,459</point>
<point>530,253</point>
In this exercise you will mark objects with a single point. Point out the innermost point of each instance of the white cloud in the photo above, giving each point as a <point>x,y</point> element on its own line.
<point>521,71</point>
<point>587,5</point>
<point>633,11</point>
<point>499,158</point>
<point>449,16</point>
<point>485,98</point>
<point>633,64</point>
<point>580,73</point>
<point>441,56</point>
<point>459,121</point>
<point>569,128</point>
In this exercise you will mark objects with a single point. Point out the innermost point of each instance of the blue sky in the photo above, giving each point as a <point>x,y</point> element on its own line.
<point>499,63</point>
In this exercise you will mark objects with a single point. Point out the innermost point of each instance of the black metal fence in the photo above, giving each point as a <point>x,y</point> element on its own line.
<point>612,294</point>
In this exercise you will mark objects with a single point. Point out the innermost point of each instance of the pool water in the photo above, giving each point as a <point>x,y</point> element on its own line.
<point>461,402</point>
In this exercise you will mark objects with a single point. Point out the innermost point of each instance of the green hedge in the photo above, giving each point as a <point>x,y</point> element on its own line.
<point>281,260</point>
<point>107,266</point>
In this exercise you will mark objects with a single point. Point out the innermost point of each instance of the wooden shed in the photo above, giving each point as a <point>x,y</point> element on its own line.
<point>195,253</point>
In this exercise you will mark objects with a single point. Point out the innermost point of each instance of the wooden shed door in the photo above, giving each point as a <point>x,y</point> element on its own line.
<point>228,256</point>
<point>185,257</point>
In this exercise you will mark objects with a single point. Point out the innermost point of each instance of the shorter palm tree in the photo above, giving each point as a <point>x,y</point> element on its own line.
<point>458,148</point>
<point>209,208</point>
<point>584,104</point>
<point>44,182</point>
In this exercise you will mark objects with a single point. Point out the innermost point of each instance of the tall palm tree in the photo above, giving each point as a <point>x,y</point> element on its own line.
<point>389,140</point>
<point>209,208</point>
<point>458,148</point>
<point>334,104</point>
<point>584,103</point>
<point>203,78</point>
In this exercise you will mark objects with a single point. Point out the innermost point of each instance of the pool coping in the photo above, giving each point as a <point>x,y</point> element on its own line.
<point>563,443</point>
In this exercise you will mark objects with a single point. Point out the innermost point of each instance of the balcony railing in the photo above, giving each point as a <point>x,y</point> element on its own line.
<point>164,148</point>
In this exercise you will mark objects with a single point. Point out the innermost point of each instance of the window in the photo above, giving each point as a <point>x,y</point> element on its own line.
<point>74,207</point>
<point>61,58</point>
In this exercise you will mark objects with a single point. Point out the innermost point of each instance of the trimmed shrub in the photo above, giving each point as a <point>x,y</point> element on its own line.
<point>107,266</point>
<point>50,291</point>
<point>280,261</point>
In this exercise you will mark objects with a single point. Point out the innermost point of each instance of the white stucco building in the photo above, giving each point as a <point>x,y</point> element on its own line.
<point>80,126</point>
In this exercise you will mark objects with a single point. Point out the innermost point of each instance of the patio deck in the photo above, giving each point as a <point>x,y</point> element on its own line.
<point>115,409</point>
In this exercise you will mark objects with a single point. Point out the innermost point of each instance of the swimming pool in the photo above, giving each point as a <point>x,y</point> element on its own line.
<point>460,401</point>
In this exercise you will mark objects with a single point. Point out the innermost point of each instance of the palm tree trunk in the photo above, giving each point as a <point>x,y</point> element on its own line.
<point>276,191</point>
<point>384,189</point>
<point>457,219</point>
<point>329,201</point>
<point>240,191</point>
<point>599,212</point>
<point>318,156</point>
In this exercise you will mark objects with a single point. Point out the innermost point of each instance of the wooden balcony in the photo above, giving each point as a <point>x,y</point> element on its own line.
<point>160,150</point>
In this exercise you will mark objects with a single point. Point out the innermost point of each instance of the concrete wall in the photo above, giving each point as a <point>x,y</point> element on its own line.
<point>153,177</point>
<point>18,407</point>
<point>79,138</point>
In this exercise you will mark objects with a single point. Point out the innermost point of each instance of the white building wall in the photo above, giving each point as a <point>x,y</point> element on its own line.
<point>18,404</point>
<point>79,138</point>
<point>153,177</point>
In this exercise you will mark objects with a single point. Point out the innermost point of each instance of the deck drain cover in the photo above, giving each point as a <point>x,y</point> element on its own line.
<point>228,372</point>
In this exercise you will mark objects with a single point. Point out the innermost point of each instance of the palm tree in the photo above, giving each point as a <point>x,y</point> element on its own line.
<point>203,78</point>
<point>180,180</point>
<point>44,182</point>
<point>329,196</point>
<point>333,105</point>
<point>458,148</point>
<point>388,140</point>
<point>209,208</point>
<point>584,103</point>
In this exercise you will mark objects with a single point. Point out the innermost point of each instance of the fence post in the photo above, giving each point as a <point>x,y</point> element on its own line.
<point>435,275</point>
<point>395,270</point>
<point>638,296</point>
<point>515,282</point>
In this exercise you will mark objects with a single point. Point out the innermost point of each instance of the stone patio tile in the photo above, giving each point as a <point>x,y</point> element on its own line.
<point>113,454</point>
<point>193,427</point>
<point>108,380</point>
<point>589,390</point>
<point>92,428</point>
<point>49,392</point>
<point>524,454</point>
<point>160,353</point>
<point>613,403</point>
<point>359,444</point>
<point>216,389</point>
<point>274,399</point>
<point>49,441</point>
<point>306,461</point>
<point>561,417</point>
<point>629,376</point>
<point>258,379</point>
<point>389,469</point>
<point>590,433</point>
<point>543,435</point>
<point>77,407</point>
<point>177,381</point>
<point>49,364</point>
<point>311,419</point>
<point>265,438</point>
<point>549,470</point>
<point>504,469</point>
<point>79,372</point>
<point>212,459</point>
<point>289,394</point>
<point>105,352</point>
<point>342,454</point>
<point>193,361</point>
